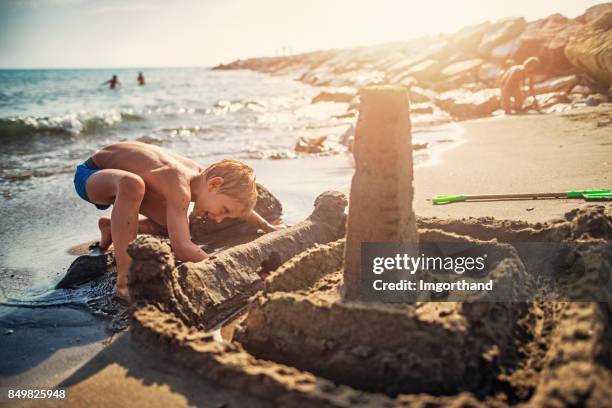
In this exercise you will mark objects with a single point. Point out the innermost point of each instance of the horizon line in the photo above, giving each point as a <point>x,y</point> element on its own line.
<point>67,68</point>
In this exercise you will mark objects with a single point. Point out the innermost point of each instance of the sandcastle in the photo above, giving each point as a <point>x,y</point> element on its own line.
<point>307,340</point>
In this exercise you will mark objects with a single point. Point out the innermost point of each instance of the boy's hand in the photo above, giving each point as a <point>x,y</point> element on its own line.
<point>271,228</point>
<point>178,231</point>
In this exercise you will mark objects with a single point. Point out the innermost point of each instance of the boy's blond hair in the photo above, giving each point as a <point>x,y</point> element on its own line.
<point>238,181</point>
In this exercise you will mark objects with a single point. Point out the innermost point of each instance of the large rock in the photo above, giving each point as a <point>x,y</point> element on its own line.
<point>559,84</point>
<point>546,39</point>
<point>426,70</point>
<point>503,52</point>
<point>591,49</point>
<point>469,38</point>
<point>500,33</point>
<point>458,73</point>
<point>594,12</point>
<point>343,97</point>
<point>490,74</point>
<point>462,67</point>
<point>463,104</point>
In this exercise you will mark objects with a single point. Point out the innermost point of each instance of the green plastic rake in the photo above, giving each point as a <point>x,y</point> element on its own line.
<point>588,195</point>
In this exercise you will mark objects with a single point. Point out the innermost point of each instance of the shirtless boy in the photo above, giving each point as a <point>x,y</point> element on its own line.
<point>513,81</point>
<point>137,178</point>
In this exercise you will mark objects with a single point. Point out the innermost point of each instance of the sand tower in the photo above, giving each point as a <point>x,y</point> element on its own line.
<point>380,208</point>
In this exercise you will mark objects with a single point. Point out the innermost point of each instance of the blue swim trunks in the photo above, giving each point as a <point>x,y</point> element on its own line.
<point>83,172</point>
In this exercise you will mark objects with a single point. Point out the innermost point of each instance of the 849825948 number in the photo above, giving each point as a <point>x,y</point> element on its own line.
<point>36,394</point>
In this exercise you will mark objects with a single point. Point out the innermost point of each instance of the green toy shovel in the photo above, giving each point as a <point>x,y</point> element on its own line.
<point>588,195</point>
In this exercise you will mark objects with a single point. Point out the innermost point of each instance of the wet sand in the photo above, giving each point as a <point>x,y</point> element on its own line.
<point>507,154</point>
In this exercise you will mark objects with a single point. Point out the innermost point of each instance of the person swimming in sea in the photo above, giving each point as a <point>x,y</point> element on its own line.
<point>113,82</point>
<point>141,80</point>
<point>512,83</point>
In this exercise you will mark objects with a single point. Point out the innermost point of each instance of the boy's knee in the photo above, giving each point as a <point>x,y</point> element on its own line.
<point>132,186</point>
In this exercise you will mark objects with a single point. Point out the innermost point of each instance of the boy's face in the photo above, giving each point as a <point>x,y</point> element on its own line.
<point>216,206</point>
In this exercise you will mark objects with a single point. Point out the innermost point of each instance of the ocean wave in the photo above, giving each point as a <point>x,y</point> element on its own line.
<point>67,125</point>
<point>224,106</point>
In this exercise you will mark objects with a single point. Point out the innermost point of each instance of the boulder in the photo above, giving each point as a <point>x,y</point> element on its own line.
<point>549,99</point>
<point>582,89</point>
<point>422,108</point>
<point>311,145</point>
<point>425,70</point>
<point>591,49</point>
<point>462,104</point>
<point>397,71</point>
<point>500,33</point>
<point>457,74</point>
<point>489,73</point>
<point>418,94</point>
<point>546,39</point>
<point>462,67</point>
<point>592,13</point>
<point>558,84</point>
<point>469,38</point>
<point>343,97</point>
<point>502,52</point>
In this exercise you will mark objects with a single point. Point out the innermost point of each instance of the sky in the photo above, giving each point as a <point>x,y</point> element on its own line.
<point>152,33</point>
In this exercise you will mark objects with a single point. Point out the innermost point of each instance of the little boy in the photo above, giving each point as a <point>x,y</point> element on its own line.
<point>137,178</point>
<point>513,81</point>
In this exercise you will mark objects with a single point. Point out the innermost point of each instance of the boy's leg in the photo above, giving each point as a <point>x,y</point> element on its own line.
<point>518,100</point>
<point>148,226</point>
<point>506,100</point>
<point>145,226</point>
<point>155,211</point>
<point>125,191</point>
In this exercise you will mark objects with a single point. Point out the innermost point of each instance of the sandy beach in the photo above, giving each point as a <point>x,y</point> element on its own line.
<point>369,295</point>
<point>521,154</point>
<point>528,153</point>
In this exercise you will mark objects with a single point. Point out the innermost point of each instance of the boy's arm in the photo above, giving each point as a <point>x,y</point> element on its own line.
<point>253,218</point>
<point>177,224</point>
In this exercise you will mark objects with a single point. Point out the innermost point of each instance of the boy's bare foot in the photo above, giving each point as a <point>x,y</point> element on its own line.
<point>104,223</point>
<point>122,294</point>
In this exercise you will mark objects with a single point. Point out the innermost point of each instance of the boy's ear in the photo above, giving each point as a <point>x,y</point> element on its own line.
<point>214,183</point>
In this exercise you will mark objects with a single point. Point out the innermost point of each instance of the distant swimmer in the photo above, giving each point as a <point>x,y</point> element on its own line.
<point>141,80</point>
<point>113,82</point>
<point>512,83</point>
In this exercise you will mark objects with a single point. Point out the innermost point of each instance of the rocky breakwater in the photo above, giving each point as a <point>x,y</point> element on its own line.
<point>459,73</point>
<point>308,340</point>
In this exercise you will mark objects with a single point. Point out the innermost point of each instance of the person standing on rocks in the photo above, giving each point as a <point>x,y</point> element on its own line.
<point>512,83</point>
<point>136,178</point>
